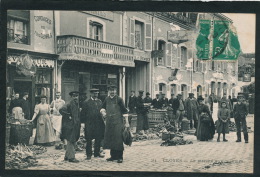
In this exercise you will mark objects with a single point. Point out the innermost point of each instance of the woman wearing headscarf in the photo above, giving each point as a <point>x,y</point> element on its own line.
<point>206,127</point>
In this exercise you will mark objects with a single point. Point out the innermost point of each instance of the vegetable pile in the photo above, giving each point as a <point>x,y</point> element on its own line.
<point>177,140</point>
<point>38,149</point>
<point>19,157</point>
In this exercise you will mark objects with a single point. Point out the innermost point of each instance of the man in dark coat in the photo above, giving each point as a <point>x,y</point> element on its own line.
<point>141,110</point>
<point>178,107</point>
<point>148,99</point>
<point>157,103</point>
<point>211,101</point>
<point>94,124</point>
<point>113,108</point>
<point>191,106</point>
<point>164,101</point>
<point>240,113</point>
<point>171,100</point>
<point>26,106</point>
<point>16,102</point>
<point>71,125</point>
<point>132,102</point>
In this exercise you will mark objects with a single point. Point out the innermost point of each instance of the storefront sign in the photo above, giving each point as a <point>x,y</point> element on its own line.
<point>37,62</point>
<point>142,56</point>
<point>180,36</point>
<point>103,14</point>
<point>43,30</point>
<point>79,57</point>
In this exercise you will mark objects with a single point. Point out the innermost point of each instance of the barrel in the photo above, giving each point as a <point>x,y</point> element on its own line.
<point>185,124</point>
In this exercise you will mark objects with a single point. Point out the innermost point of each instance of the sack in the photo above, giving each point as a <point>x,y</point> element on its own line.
<point>205,117</point>
<point>127,137</point>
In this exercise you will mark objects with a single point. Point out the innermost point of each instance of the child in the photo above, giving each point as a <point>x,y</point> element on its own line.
<point>223,119</point>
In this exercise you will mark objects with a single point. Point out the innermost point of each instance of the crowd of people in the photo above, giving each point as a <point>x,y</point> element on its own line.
<point>105,121</point>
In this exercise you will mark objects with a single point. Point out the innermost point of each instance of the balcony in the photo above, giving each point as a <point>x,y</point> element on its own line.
<point>70,47</point>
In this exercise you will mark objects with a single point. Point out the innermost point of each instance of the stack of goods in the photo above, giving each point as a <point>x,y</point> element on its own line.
<point>19,157</point>
<point>232,126</point>
<point>157,116</point>
<point>177,140</point>
<point>36,149</point>
<point>148,136</point>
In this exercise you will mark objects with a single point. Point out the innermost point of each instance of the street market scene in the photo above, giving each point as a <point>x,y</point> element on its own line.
<point>107,90</point>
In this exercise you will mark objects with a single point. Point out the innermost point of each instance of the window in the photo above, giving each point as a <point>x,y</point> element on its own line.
<point>213,66</point>
<point>96,31</point>
<point>161,48</point>
<point>139,35</point>
<point>18,27</point>
<point>183,57</point>
<point>162,88</point>
<point>174,89</point>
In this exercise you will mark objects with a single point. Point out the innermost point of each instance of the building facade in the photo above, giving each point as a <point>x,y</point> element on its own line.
<point>31,56</point>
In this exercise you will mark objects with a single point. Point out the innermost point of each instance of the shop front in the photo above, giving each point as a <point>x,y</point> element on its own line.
<point>85,63</point>
<point>32,73</point>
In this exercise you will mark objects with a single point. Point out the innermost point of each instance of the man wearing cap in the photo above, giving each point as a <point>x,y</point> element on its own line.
<point>240,113</point>
<point>132,102</point>
<point>148,99</point>
<point>157,103</point>
<point>94,124</point>
<point>25,106</point>
<point>178,107</point>
<point>164,100</point>
<point>56,116</point>
<point>16,102</point>
<point>141,110</point>
<point>191,106</point>
<point>113,108</point>
<point>71,125</point>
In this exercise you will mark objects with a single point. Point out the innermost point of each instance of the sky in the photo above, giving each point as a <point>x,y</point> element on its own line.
<point>245,25</point>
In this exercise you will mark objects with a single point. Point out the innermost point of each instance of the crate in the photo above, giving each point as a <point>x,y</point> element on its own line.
<point>7,135</point>
<point>158,116</point>
<point>21,133</point>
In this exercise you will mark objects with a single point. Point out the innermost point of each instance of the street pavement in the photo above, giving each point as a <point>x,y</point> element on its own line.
<point>206,157</point>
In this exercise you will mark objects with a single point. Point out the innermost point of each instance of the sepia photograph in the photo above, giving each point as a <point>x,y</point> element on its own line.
<point>133,91</point>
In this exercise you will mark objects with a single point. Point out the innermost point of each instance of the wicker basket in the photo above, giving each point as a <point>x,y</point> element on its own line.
<point>185,124</point>
<point>21,133</point>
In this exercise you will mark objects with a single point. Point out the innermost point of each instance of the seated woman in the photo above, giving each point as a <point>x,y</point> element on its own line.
<point>44,131</point>
<point>206,127</point>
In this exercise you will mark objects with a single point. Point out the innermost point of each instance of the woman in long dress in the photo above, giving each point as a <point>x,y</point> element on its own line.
<point>44,131</point>
<point>205,130</point>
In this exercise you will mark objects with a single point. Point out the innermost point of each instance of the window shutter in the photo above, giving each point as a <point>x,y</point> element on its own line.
<point>204,66</point>
<point>200,66</point>
<point>179,56</point>
<point>156,87</point>
<point>156,48</point>
<point>90,30</point>
<point>174,57</point>
<point>195,65</point>
<point>148,37</point>
<point>178,88</point>
<point>169,54</point>
<point>132,32</point>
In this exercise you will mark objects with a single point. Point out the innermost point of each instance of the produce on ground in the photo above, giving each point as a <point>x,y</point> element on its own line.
<point>36,149</point>
<point>19,157</point>
<point>176,141</point>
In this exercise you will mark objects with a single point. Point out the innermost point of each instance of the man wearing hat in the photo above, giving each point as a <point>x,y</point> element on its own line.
<point>148,99</point>
<point>240,113</point>
<point>142,118</point>
<point>171,100</point>
<point>178,107</point>
<point>191,105</point>
<point>157,103</point>
<point>132,102</point>
<point>94,123</point>
<point>25,106</point>
<point>113,108</point>
<point>164,100</point>
<point>71,125</point>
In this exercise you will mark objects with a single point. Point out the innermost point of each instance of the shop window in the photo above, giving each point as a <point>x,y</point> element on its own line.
<point>18,27</point>
<point>96,31</point>
<point>139,35</point>
<point>183,57</point>
<point>174,89</point>
<point>161,48</point>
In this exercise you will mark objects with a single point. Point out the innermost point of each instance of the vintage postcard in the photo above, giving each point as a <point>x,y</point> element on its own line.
<point>130,91</point>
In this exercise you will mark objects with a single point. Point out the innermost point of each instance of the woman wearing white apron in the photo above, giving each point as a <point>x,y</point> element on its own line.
<point>56,116</point>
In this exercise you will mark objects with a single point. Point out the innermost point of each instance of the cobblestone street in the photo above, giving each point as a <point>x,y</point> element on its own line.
<point>222,157</point>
